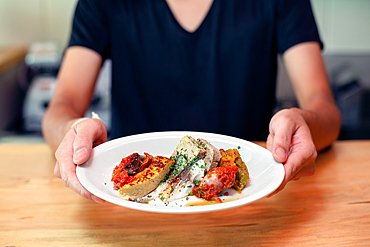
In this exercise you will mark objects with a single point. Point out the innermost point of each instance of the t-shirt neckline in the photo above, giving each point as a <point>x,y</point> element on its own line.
<point>181,27</point>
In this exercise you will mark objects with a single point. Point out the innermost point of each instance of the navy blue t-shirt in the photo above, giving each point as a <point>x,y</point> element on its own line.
<point>220,78</point>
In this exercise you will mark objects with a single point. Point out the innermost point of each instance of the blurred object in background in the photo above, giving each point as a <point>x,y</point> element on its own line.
<point>349,76</point>
<point>101,103</point>
<point>347,91</point>
<point>44,56</point>
<point>37,99</point>
<point>11,92</point>
<point>43,61</point>
<point>28,78</point>
<point>350,79</point>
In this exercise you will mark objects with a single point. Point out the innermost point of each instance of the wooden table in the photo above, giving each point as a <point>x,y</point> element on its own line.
<point>331,208</point>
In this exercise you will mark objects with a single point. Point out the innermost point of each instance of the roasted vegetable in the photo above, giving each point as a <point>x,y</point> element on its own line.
<point>232,157</point>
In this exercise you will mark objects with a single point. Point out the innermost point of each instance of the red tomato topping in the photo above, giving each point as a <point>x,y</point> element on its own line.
<point>215,181</point>
<point>120,175</point>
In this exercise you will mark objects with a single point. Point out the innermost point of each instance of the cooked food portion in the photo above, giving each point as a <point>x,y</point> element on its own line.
<point>196,167</point>
<point>142,180</point>
<point>165,188</point>
<point>232,157</point>
<point>213,155</point>
<point>191,156</point>
<point>182,185</point>
<point>138,163</point>
<point>189,148</point>
<point>132,164</point>
<point>215,181</point>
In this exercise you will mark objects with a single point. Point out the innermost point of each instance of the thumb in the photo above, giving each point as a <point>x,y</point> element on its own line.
<point>281,141</point>
<point>88,132</point>
<point>82,147</point>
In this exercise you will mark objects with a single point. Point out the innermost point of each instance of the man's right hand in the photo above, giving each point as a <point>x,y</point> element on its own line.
<point>75,149</point>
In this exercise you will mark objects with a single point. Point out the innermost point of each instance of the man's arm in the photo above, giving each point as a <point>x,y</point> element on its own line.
<point>306,70</point>
<point>76,82</point>
<point>297,134</point>
<point>73,142</point>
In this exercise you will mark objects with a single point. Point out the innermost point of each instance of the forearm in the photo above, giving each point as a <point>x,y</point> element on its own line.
<point>306,71</point>
<point>57,120</point>
<point>72,97</point>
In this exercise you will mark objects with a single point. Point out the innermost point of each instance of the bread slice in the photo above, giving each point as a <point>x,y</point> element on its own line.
<point>147,180</point>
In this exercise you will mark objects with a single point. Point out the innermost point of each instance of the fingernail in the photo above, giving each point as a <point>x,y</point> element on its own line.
<point>79,155</point>
<point>281,153</point>
<point>96,199</point>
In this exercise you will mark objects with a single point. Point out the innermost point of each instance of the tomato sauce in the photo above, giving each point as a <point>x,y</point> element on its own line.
<point>120,175</point>
<point>215,181</point>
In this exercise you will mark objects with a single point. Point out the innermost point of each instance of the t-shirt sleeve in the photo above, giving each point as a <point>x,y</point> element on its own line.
<point>89,28</point>
<point>295,24</point>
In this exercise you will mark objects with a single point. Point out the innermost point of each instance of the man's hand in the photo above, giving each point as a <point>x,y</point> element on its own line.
<point>291,143</point>
<point>75,149</point>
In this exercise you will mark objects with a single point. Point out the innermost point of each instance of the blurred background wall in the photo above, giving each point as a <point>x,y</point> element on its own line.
<point>23,22</point>
<point>344,26</point>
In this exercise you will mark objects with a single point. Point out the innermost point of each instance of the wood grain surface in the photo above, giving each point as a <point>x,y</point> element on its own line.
<point>331,208</point>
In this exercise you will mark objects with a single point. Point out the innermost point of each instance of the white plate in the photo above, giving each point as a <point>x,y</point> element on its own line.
<point>265,173</point>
